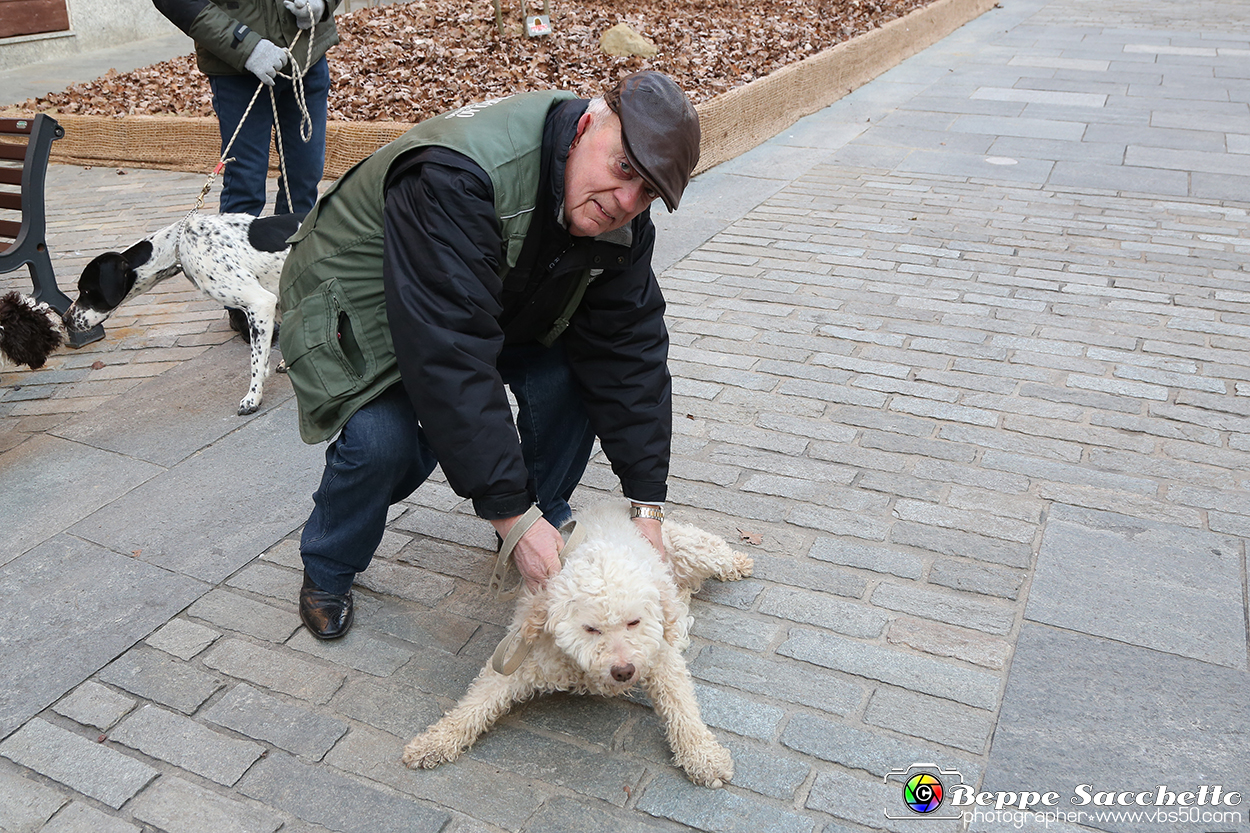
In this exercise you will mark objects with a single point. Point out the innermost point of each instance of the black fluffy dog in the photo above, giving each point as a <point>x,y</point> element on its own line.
<point>29,331</point>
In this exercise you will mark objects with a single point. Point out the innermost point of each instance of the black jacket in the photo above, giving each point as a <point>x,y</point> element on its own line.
<point>450,316</point>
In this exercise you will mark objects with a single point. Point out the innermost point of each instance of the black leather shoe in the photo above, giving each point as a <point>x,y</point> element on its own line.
<point>326,615</point>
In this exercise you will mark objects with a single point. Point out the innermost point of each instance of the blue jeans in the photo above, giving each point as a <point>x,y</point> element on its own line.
<point>381,456</point>
<point>243,183</point>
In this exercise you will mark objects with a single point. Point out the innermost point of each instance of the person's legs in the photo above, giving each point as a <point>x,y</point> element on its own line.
<point>305,161</point>
<point>556,437</point>
<point>378,459</point>
<point>243,181</point>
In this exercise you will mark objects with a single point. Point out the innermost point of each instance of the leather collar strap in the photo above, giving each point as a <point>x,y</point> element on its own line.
<point>512,650</point>
<point>505,551</point>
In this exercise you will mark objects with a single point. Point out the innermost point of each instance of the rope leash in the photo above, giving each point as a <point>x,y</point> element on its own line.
<point>512,649</point>
<point>305,127</point>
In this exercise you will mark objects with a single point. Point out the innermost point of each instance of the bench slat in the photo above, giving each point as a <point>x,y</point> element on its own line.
<point>9,230</point>
<point>17,127</point>
<point>11,151</point>
<point>10,201</point>
<point>10,176</point>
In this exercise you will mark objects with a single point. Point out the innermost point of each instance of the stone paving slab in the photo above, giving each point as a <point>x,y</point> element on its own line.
<point>1086,710</point>
<point>81,607</point>
<point>215,485</point>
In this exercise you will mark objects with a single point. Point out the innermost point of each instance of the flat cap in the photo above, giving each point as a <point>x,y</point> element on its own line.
<point>659,130</point>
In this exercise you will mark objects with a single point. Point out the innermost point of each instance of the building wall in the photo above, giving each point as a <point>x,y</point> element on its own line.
<point>94,24</point>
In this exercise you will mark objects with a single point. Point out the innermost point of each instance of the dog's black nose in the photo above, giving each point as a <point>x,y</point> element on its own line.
<point>623,673</point>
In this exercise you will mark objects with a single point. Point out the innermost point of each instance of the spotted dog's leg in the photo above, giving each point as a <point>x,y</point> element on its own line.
<point>260,322</point>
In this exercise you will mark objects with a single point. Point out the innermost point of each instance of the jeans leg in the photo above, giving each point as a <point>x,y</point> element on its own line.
<point>379,458</point>
<point>243,182</point>
<point>305,161</point>
<point>556,437</point>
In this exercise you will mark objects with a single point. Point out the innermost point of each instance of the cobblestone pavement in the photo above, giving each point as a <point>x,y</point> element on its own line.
<point>968,353</point>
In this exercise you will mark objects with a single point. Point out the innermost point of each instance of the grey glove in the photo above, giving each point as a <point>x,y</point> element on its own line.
<point>307,12</point>
<point>265,61</point>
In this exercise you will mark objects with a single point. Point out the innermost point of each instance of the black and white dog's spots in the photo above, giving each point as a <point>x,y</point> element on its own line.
<point>235,259</point>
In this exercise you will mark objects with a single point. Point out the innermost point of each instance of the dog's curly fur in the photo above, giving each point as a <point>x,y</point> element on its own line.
<point>29,330</point>
<point>615,617</point>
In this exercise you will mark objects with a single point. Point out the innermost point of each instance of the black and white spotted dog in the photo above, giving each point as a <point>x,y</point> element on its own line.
<point>235,259</point>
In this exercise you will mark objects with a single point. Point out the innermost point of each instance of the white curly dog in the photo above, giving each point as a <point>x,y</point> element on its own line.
<point>615,617</point>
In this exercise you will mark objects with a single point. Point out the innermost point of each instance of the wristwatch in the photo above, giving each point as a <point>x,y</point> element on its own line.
<point>653,512</point>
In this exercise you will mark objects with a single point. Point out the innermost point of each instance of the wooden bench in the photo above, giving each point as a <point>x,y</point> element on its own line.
<point>25,145</point>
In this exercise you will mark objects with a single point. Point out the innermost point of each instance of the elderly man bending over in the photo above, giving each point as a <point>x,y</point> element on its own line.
<point>504,243</point>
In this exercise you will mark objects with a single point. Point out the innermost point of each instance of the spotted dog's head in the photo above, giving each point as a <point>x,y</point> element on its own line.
<point>111,278</point>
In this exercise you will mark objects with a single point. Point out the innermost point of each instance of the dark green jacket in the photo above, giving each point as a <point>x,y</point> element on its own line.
<point>335,336</point>
<point>225,33</point>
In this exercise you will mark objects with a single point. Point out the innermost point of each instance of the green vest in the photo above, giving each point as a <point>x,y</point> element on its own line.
<point>335,337</point>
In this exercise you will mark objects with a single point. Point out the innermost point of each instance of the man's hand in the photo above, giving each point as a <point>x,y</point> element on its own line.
<point>307,12</point>
<point>265,61</point>
<point>537,554</point>
<point>650,529</point>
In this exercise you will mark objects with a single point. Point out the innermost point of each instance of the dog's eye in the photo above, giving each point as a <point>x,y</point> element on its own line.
<point>634,623</point>
<point>589,629</point>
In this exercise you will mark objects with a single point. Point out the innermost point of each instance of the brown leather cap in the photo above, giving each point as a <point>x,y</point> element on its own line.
<point>659,129</point>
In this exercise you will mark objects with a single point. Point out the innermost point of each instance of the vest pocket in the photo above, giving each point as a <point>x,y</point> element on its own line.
<point>327,349</point>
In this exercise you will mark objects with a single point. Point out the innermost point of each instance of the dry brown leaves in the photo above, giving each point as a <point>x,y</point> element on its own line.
<point>408,61</point>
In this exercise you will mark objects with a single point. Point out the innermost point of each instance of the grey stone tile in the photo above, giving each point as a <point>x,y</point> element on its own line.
<point>589,718</point>
<point>92,704</point>
<point>1076,174</point>
<point>183,639</point>
<point>483,792</point>
<point>236,612</point>
<point>673,797</point>
<point>1189,601</point>
<point>737,713</point>
<point>80,606</point>
<point>1085,710</point>
<point>920,674</point>
<point>563,814</point>
<point>398,709</point>
<point>258,715</point>
<point>356,650</point>
<point>25,804</point>
<point>145,425</point>
<point>319,795</point>
<point>557,762</point>
<point>765,771</point>
<point>78,817</point>
<point>187,744</point>
<point>788,681</point>
<point>212,523</point>
<point>92,769</point>
<point>154,675</point>
<point>277,669</point>
<point>34,475</point>
<point>873,752</point>
<point>178,806</point>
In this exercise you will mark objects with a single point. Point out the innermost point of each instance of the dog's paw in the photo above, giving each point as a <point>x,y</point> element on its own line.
<point>248,405</point>
<point>708,765</point>
<point>428,751</point>
<point>741,565</point>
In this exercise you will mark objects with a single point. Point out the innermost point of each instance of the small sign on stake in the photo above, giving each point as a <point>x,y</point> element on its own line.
<point>537,25</point>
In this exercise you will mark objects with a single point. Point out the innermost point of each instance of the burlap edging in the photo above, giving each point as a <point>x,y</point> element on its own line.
<point>732,123</point>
